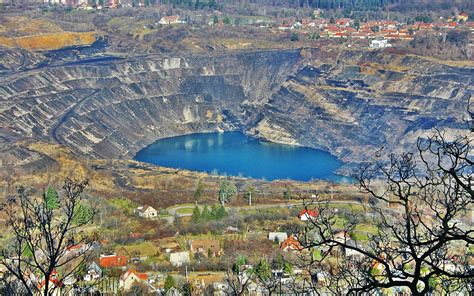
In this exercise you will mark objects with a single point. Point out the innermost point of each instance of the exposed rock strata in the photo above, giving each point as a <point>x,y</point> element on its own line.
<point>350,103</point>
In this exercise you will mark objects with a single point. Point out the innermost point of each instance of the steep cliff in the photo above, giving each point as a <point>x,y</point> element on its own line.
<point>353,103</point>
<point>350,103</point>
<point>113,109</point>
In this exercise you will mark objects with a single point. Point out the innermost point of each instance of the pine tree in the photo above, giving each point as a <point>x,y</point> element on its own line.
<point>198,192</point>
<point>196,217</point>
<point>241,260</point>
<point>287,193</point>
<point>206,215</point>
<point>221,212</point>
<point>169,283</point>
<point>52,198</point>
<point>214,212</point>
<point>263,270</point>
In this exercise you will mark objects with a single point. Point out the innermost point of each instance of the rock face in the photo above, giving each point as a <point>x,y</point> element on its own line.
<point>112,110</point>
<point>355,103</point>
<point>350,103</point>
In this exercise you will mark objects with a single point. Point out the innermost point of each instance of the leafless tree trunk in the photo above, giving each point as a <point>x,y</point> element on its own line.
<point>43,229</point>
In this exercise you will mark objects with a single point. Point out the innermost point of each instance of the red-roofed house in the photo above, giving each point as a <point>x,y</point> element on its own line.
<point>343,22</point>
<point>306,214</point>
<point>130,277</point>
<point>463,17</point>
<point>54,286</point>
<point>389,24</point>
<point>453,24</point>
<point>111,261</point>
<point>291,244</point>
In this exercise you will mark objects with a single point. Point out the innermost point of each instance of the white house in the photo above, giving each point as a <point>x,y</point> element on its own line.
<point>130,277</point>
<point>280,236</point>
<point>306,214</point>
<point>146,212</point>
<point>170,20</point>
<point>351,252</point>
<point>179,258</point>
<point>377,43</point>
<point>94,272</point>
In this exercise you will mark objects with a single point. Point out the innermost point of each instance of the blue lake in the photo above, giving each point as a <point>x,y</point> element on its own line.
<point>234,154</point>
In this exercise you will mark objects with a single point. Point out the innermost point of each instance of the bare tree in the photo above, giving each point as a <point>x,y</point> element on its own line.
<point>420,243</point>
<point>49,243</point>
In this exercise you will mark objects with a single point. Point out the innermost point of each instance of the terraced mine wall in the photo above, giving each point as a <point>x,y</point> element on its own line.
<point>350,103</point>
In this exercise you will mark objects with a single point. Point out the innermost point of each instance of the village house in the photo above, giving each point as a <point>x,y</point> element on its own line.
<point>306,214</point>
<point>111,261</point>
<point>231,229</point>
<point>94,272</point>
<point>343,22</point>
<point>170,20</point>
<point>131,277</point>
<point>146,212</point>
<point>205,247</point>
<point>349,252</point>
<point>179,258</point>
<point>341,236</point>
<point>291,244</point>
<point>54,286</point>
<point>463,17</point>
<point>377,43</point>
<point>277,236</point>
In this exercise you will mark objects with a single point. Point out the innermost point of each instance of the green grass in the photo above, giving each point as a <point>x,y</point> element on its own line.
<point>348,207</point>
<point>124,204</point>
<point>181,205</point>
<point>185,211</point>
<point>362,231</point>
<point>317,255</point>
<point>339,222</point>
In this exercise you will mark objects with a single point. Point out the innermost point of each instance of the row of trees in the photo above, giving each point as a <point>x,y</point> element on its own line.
<point>400,5</point>
<point>215,213</point>
<point>227,191</point>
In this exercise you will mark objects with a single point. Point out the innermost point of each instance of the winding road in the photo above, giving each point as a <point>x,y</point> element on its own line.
<point>67,115</point>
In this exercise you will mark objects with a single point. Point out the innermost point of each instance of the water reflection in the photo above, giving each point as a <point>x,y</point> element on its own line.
<point>235,154</point>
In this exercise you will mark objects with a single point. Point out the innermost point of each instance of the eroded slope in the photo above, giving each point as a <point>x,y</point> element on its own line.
<point>350,103</point>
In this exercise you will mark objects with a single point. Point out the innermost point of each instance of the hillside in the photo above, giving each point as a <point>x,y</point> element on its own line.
<point>348,102</point>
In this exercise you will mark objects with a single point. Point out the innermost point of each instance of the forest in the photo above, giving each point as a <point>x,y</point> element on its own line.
<point>391,5</point>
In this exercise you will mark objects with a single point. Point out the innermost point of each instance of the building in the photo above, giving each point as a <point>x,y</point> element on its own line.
<point>94,272</point>
<point>130,277</point>
<point>54,286</point>
<point>179,258</point>
<point>111,261</point>
<point>376,43</point>
<point>291,244</point>
<point>463,17</point>
<point>170,20</point>
<point>349,252</point>
<point>277,236</point>
<point>205,247</point>
<point>306,214</point>
<point>146,212</point>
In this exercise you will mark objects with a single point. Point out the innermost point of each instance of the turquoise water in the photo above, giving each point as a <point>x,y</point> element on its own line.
<point>234,154</point>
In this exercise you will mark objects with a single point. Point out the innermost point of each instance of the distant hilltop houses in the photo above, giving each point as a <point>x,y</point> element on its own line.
<point>383,29</point>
